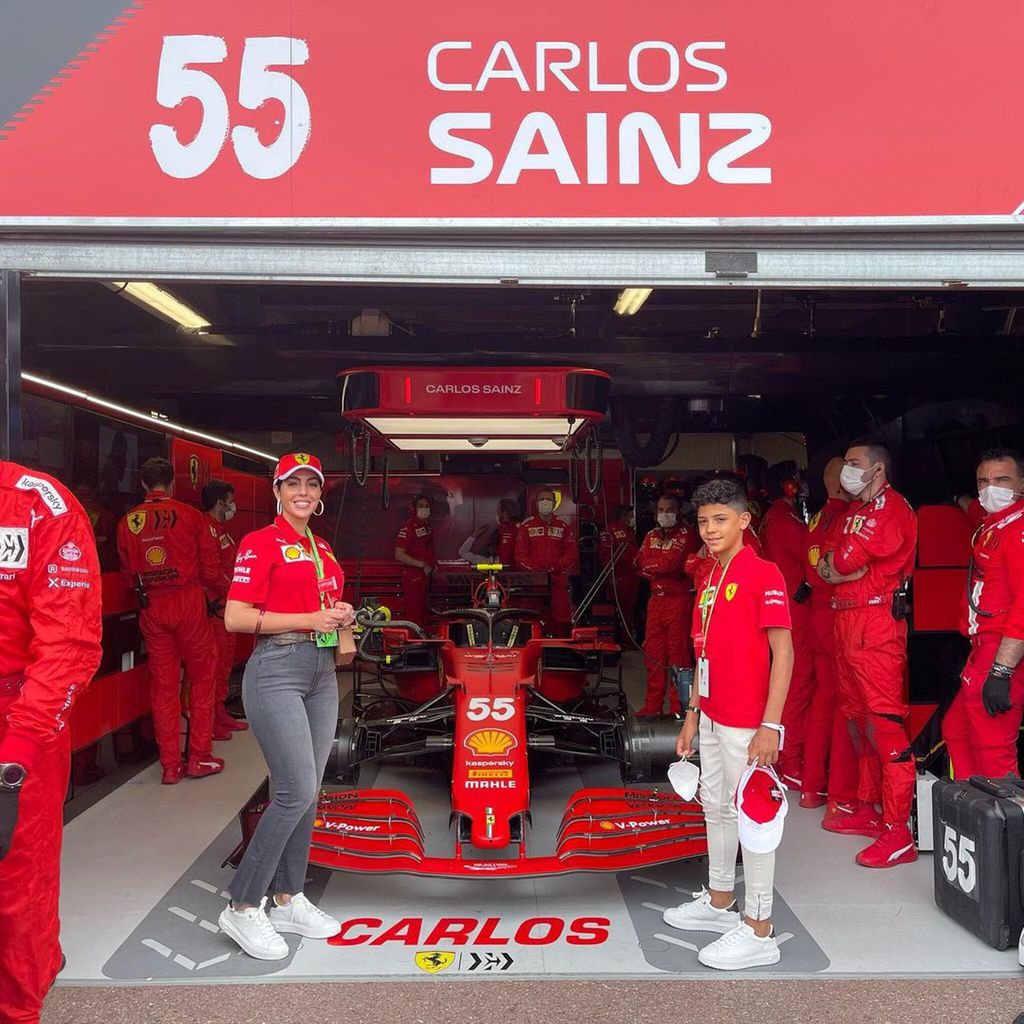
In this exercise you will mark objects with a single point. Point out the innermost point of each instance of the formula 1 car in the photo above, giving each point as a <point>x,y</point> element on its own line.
<point>488,700</point>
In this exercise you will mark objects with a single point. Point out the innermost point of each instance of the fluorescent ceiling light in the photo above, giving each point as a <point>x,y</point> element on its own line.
<point>147,418</point>
<point>631,299</point>
<point>477,426</point>
<point>479,445</point>
<point>163,303</point>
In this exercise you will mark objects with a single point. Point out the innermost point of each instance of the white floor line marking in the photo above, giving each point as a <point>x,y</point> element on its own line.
<point>676,942</point>
<point>183,961</point>
<point>648,881</point>
<point>157,947</point>
<point>784,937</point>
<point>178,912</point>
<point>204,885</point>
<point>215,960</point>
<point>225,894</point>
<point>654,906</point>
<point>210,926</point>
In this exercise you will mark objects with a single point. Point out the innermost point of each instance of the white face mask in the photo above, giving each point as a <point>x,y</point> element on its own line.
<point>545,507</point>
<point>423,513</point>
<point>666,519</point>
<point>995,499</point>
<point>854,480</point>
<point>229,511</point>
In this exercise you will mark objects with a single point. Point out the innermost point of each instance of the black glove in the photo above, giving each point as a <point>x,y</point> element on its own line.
<point>995,694</point>
<point>8,818</point>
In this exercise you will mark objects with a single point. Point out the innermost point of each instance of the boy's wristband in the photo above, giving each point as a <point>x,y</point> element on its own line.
<point>776,727</point>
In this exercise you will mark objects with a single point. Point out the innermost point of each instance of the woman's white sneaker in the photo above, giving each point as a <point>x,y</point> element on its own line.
<point>740,948</point>
<point>253,932</point>
<point>300,917</point>
<point>700,916</point>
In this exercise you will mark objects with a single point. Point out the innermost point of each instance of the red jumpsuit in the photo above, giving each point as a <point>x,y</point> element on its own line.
<point>416,539</point>
<point>616,535</point>
<point>783,537</point>
<point>830,763</point>
<point>979,743</point>
<point>224,641</point>
<point>550,546</point>
<point>661,560</point>
<point>170,546</point>
<point>50,628</point>
<point>506,553</point>
<point>880,534</point>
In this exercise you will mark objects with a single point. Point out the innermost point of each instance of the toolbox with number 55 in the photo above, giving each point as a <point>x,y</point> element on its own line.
<point>979,855</point>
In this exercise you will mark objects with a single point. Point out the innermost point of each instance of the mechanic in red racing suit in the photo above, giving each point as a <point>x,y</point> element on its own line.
<point>620,533</point>
<point>414,549</point>
<point>783,536</point>
<point>981,726</point>
<point>830,768</point>
<point>169,554</point>
<point>547,543</point>
<point>879,535</point>
<point>218,500</point>
<point>660,560</point>
<point>50,630</point>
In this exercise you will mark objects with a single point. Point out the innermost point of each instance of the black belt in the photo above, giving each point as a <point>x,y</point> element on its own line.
<point>10,686</point>
<point>282,639</point>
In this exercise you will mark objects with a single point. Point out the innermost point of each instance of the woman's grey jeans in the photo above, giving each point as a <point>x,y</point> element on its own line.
<point>290,693</point>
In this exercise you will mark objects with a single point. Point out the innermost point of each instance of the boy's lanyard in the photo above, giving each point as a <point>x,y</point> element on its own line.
<point>322,639</point>
<point>711,599</point>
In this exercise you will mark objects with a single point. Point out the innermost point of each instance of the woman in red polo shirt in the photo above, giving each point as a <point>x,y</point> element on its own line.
<point>286,591</point>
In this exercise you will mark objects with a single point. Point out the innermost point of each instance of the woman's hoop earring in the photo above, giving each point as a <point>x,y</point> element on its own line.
<point>280,507</point>
<point>320,509</point>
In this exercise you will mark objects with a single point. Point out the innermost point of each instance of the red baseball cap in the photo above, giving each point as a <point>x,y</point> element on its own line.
<point>289,464</point>
<point>760,809</point>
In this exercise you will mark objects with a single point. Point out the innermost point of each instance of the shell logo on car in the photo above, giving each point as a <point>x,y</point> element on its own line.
<point>491,742</point>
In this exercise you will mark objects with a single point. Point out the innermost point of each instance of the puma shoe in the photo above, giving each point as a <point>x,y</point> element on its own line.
<point>200,767</point>
<point>699,916</point>
<point>894,846</point>
<point>173,774</point>
<point>852,820</point>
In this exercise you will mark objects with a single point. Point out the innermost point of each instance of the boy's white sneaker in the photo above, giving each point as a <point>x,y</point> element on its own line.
<point>700,916</point>
<point>739,949</point>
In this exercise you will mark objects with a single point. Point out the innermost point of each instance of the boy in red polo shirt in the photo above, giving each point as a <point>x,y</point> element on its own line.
<point>741,635</point>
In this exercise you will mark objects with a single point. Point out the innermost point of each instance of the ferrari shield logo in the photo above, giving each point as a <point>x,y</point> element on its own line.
<point>137,522</point>
<point>730,590</point>
<point>433,961</point>
<point>302,459</point>
<point>193,470</point>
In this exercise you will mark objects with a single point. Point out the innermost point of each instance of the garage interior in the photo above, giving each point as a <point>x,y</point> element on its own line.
<point>935,371</point>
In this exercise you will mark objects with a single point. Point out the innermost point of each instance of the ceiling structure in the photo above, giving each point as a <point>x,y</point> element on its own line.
<point>763,360</point>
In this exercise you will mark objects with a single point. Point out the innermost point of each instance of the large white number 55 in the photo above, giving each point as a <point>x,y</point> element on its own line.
<point>176,82</point>
<point>259,84</point>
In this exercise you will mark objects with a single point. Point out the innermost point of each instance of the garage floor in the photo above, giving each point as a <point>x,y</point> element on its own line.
<point>143,887</point>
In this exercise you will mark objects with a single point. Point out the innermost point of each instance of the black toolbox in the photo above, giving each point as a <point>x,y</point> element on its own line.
<point>979,855</point>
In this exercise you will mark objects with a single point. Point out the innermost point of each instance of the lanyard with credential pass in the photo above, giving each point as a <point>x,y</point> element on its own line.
<point>707,607</point>
<point>323,586</point>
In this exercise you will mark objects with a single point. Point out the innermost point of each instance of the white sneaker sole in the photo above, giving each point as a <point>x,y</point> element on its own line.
<point>765,959</point>
<point>689,925</point>
<point>306,931</point>
<point>227,926</point>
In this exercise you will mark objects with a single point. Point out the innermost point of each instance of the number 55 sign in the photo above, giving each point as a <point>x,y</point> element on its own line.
<point>180,78</point>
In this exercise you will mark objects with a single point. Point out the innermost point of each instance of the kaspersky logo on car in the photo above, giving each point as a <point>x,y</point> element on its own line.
<point>490,742</point>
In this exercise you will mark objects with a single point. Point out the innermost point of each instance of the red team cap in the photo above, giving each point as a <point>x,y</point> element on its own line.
<point>761,809</point>
<point>289,464</point>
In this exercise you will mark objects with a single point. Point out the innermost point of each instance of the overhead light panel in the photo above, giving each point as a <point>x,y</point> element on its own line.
<point>480,445</point>
<point>490,426</point>
<point>631,299</point>
<point>165,305</point>
<point>151,418</point>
